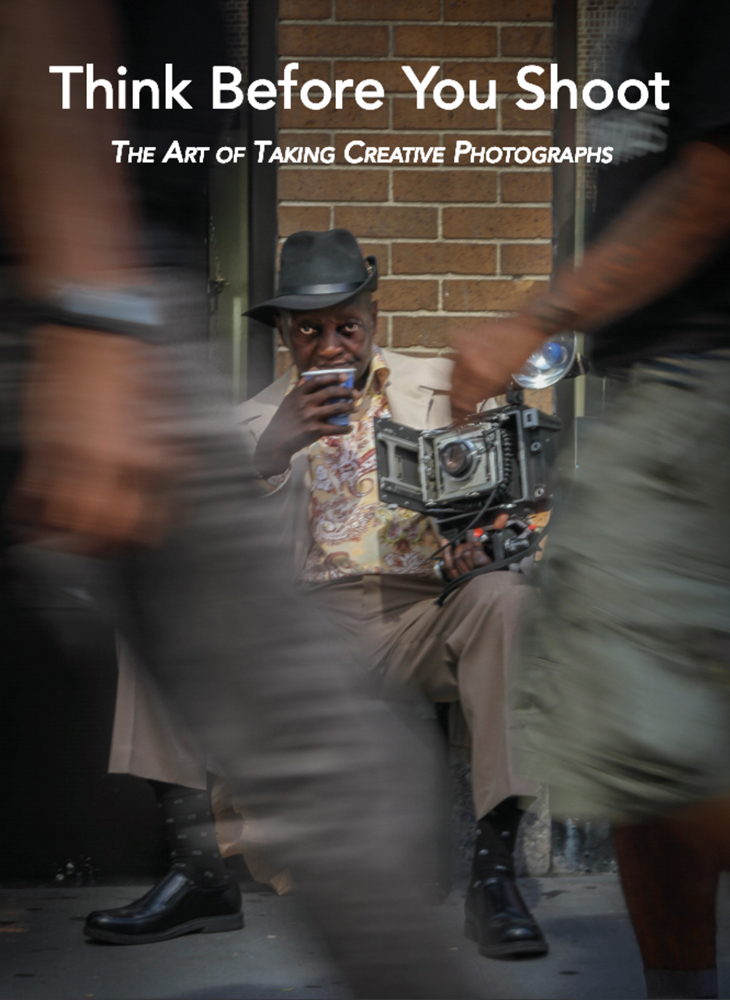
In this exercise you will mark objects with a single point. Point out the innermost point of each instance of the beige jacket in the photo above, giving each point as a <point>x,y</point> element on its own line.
<point>148,739</point>
<point>417,393</point>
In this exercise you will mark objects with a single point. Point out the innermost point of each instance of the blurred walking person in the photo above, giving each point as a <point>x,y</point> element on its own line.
<point>625,697</point>
<point>129,455</point>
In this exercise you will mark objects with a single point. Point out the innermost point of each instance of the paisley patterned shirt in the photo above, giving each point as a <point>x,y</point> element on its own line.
<point>354,533</point>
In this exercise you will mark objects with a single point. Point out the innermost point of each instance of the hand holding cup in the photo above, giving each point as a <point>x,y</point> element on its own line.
<point>318,406</point>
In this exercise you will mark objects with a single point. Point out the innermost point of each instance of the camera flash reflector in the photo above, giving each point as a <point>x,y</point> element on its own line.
<point>549,363</point>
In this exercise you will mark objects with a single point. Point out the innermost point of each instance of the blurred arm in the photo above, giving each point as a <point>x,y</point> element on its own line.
<point>661,239</point>
<point>66,204</point>
<point>95,467</point>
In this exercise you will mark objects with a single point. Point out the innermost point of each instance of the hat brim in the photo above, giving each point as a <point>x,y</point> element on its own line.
<point>267,312</point>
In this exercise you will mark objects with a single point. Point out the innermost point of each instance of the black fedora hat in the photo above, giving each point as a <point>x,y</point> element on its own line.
<point>318,270</point>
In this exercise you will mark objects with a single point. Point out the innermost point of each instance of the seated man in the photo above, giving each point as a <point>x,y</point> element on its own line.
<point>370,566</point>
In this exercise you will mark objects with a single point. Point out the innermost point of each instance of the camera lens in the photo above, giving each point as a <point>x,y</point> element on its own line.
<point>457,458</point>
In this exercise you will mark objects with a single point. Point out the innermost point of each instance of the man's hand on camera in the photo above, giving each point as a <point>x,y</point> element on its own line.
<point>469,555</point>
<point>301,420</point>
<point>463,559</point>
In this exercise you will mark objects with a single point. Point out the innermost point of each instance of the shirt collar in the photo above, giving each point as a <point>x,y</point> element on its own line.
<point>378,374</point>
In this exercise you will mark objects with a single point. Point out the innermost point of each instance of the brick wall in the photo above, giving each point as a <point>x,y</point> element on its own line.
<point>453,242</point>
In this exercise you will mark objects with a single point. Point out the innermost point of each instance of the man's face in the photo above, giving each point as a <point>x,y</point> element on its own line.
<point>338,337</point>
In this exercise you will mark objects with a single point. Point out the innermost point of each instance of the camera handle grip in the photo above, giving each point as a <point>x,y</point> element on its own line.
<point>491,568</point>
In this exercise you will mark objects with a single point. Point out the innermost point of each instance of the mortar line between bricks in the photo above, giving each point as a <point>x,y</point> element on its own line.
<point>481,241</point>
<point>450,276</point>
<point>483,166</point>
<point>405,23</point>
<point>466,276</point>
<point>487,61</point>
<point>427,170</point>
<point>463,241</point>
<point>511,240</point>
<point>484,278</point>
<point>365,130</point>
<point>415,277</point>
<point>441,168</point>
<point>481,92</point>
<point>296,91</point>
<point>424,314</point>
<point>478,241</point>
<point>505,95</point>
<point>477,276</point>
<point>292,203</point>
<point>419,168</point>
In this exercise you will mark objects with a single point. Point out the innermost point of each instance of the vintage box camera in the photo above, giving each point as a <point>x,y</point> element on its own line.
<point>501,460</point>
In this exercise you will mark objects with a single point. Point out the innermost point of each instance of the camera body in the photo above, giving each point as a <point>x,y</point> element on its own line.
<point>500,460</point>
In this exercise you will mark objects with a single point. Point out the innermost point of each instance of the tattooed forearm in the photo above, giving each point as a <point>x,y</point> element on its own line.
<point>660,240</point>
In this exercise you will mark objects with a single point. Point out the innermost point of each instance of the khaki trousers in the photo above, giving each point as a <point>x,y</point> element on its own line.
<point>461,652</point>
<point>149,739</point>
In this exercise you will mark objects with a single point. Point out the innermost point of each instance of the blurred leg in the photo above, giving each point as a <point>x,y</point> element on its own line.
<point>707,823</point>
<point>328,774</point>
<point>670,892</point>
<point>624,691</point>
<point>670,889</point>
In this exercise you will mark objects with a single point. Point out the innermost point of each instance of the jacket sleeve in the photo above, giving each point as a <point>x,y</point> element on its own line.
<point>252,427</point>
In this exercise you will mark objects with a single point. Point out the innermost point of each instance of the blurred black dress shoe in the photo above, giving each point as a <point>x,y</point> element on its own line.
<point>497,918</point>
<point>176,905</point>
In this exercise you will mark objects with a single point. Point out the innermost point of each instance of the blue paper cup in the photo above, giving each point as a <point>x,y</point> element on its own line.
<point>343,419</point>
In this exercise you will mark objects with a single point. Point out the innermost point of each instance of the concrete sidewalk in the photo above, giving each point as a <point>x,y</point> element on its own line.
<point>44,955</point>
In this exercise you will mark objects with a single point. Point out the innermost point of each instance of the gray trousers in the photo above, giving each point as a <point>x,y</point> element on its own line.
<point>334,779</point>
<point>625,686</point>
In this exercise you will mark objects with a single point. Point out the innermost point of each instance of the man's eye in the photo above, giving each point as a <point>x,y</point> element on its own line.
<point>351,327</point>
<point>307,331</point>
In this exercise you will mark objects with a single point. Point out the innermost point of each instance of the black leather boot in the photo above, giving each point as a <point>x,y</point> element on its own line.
<point>175,906</point>
<point>497,917</point>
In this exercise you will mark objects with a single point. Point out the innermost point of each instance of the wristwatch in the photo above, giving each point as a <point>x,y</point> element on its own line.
<point>133,312</point>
